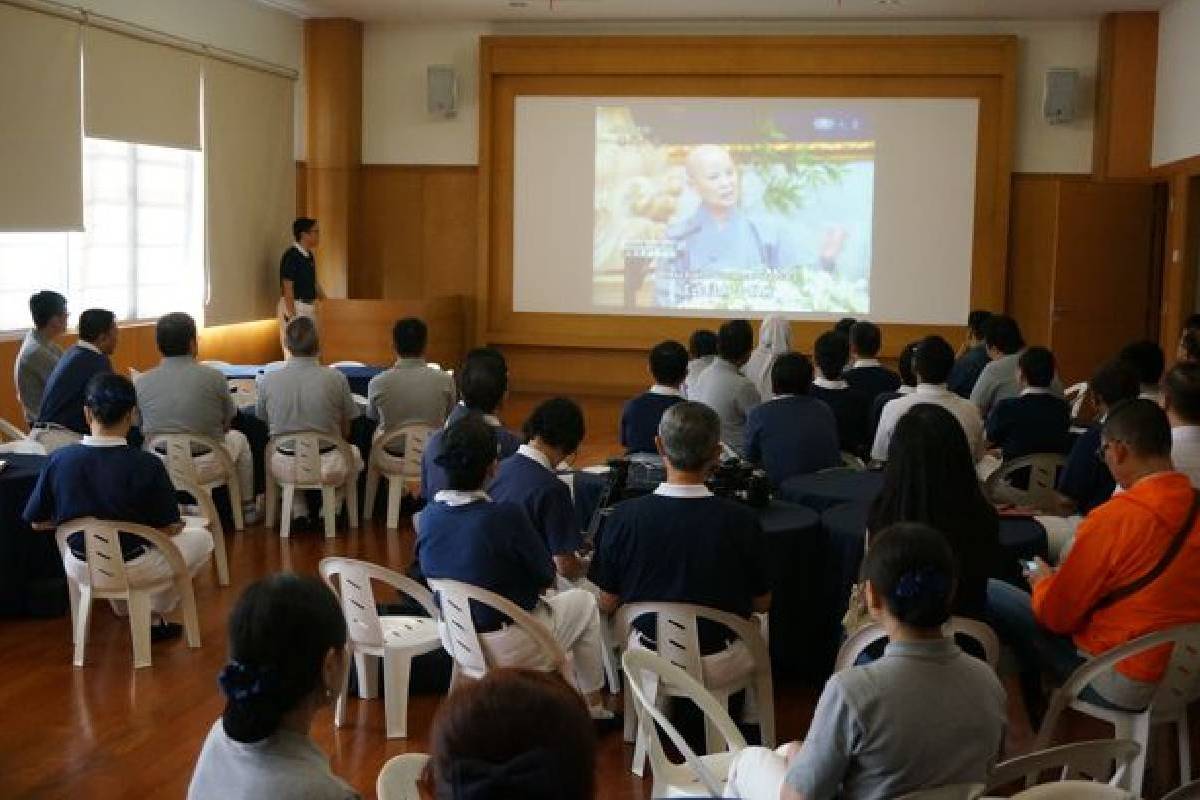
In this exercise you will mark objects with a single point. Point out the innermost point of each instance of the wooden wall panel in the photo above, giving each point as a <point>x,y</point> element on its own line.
<point>1032,243</point>
<point>361,330</point>
<point>301,189</point>
<point>1125,95</point>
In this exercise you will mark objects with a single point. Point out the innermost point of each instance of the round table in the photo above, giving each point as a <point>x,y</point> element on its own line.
<point>795,551</point>
<point>824,490</point>
<point>32,581</point>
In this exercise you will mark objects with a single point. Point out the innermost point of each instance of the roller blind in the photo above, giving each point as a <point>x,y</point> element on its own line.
<point>41,185</point>
<point>135,91</point>
<point>251,192</point>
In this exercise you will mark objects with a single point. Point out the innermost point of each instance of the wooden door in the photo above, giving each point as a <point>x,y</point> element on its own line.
<point>1103,281</point>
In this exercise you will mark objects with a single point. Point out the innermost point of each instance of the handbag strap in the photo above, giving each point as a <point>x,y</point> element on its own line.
<point>1169,556</point>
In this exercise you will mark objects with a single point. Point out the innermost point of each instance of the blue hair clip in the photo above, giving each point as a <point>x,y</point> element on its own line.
<point>241,682</point>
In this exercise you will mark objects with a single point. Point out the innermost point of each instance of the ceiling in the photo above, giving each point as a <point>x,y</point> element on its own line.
<point>616,10</point>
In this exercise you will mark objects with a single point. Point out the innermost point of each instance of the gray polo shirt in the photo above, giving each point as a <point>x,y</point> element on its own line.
<point>924,715</point>
<point>694,368</point>
<point>305,396</point>
<point>411,391</point>
<point>723,388</point>
<point>998,381</point>
<point>181,395</point>
<point>35,361</point>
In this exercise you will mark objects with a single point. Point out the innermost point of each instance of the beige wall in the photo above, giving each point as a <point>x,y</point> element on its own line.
<point>397,129</point>
<point>1177,105</point>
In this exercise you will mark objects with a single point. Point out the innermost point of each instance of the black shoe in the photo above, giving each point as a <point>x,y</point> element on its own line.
<point>164,631</point>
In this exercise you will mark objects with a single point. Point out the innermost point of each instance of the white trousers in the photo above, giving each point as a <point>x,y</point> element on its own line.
<point>574,622</point>
<point>208,468</point>
<point>333,473</point>
<point>757,774</point>
<point>195,544</point>
<point>730,667</point>
<point>302,310</point>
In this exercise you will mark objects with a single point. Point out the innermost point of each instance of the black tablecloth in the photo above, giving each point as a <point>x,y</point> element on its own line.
<point>822,490</point>
<point>796,547</point>
<point>32,581</point>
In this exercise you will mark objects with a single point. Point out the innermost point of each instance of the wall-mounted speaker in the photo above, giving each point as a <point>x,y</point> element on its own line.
<point>441,90</point>
<point>1059,95</point>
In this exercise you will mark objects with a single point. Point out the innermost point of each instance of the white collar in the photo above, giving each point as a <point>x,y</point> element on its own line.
<point>103,441</point>
<point>905,389</point>
<point>866,362</point>
<point>88,346</point>
<point>456,497</point>
<point>533,454</point>
<point>825,383</point>
<point>1185,433</point>
<point>299,247</point>
<point>666,391</point>
<point>690,491</point>
<point>1150,392</point>
<point>932,389</point>
<point>782,396</point>
<point>1034,390</point>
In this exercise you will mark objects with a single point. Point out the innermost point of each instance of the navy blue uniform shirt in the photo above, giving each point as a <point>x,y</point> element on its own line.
<point>872,380</point>
<point>851,409</point>
<point>1086,479</point>
<point>62,401</point>
<point>966,370</point>
<point>640,418</point>
<point>525,482</point>
<point>1030,423</point>
<point>792,435</point>
<point>433,477</point>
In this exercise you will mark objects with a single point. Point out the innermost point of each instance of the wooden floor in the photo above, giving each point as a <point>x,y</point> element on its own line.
<point>108,731</point>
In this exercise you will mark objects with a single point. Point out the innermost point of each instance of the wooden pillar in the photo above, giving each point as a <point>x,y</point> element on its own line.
<point>1125,95</point>
<point>1179,271</point>
<point>333,71</point>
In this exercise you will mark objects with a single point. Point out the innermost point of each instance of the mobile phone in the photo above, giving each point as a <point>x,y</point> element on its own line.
<point>1028,566</point>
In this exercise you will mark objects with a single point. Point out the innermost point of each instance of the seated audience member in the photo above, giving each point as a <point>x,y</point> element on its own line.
<point>723,388</point>
<point>774,339</point>
<point>865,373</point>
<point>529,479</point>
<point>286,663</point>
<point>410,391</point>
<point>181,395</point>
<point>1181,400</point>
<point>851,407</point>
<point>513,735</point>
<point>1035,421</point>
<point>1148,361</point>
<point>930,478</point>
<point>932,361</point>
<point>794,434</point>
<point>844,325</point>
<point>973,357</point>
<point>702,352</point>
<point>908,385</point>
<point>104,477</point>
<point>62,401</point>
<point>465,536</point>
<point>305,396</point>
<point>875,733</point>
<point>681,544</point>
<point>1084,607</point>
<point>1189,340</point>
<point>483,384</point>
<point>1085,481</point>
<point>39,351</point>
<point>640,416</point>
<point>998,381</point>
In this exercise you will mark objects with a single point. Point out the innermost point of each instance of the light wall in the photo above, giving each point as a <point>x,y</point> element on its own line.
<point>397,129</point>
<point>1177,106</point>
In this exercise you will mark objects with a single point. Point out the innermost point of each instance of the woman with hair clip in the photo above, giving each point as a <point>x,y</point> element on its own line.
<point>923,716</point>
<point>513,735</point>
<point>286,663</point>
<point>466,537</point>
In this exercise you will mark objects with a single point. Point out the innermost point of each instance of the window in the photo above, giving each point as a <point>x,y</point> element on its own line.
<point>142,250</point>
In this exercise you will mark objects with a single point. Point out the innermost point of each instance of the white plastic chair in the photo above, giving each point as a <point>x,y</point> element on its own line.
<point>215,364</point>
<point>11,432</point>
<point>852,462</point>
<point>1104,760</point>
<point>868,635</point>
<point>15,440</point>
<point>453,612</point>
<point>1043,477</point>
<point>180,451</point>
<point>54,437</point>
<point>1190,791</point>
<point>401,472</point>
<point>958,791</point>
<point>212,521</point>
<point>1075,790</point>
<point>105,562</point>
<point>394,639</point>
<point>678,642</point>
<point>337,364</point>
<point>398,778</point>
<point>1075,395</point>
<point>697,776</point>
<point>1180,685</point>
<point>306,451</point>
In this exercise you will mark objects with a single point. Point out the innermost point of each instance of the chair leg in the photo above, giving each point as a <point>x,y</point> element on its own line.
<point>352,502</point>
<point>339,709</point>
<point>765,706</point>
<point>650,689</point>
<point>368,675</point>
<point>272,499</point>
<point>80,619</point>
<point>73,598</point>
<point>329,510</point>
<point>396,669</point>
<point>1137,728</point>
<point>612,672</point>
<point>630,719</point>
<point>235,500</point>
<point>139,628</point>
<point>220,557</point>
<point>187,603</point>
<point>1185,747</point>
<point>372,488</point>
<point>395,493</point>
<point>285,515</point>
<point>714,742</point>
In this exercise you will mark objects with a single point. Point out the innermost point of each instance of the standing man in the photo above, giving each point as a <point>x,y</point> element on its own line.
<point>298,275</point>
<point>39,352</point>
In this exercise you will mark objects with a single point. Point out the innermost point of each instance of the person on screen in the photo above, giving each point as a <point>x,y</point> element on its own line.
<point>719,237</point>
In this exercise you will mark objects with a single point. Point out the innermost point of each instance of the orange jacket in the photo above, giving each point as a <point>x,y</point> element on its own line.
<point>1116,544</point>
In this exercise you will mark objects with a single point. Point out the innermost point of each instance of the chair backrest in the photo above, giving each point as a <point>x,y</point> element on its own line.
<point>852,462</point>
<point>102,546</point>
<point>1043,477</point>
<point>1075,395</point>
<point>11,432</point>
<point>958,791</point>
<point>305,448</point>
<point>453,609</point>
<point>1104,760</point>
<point>635,663</point>
<point>678,632</point>
<point>1075,790</point>
<point>350,579</point>
<point>864,637</point>
<point>180,450</point>
<point>1189,791</point>
<point>414,437</point>
<point>398,778</point>
<point>214,363</point>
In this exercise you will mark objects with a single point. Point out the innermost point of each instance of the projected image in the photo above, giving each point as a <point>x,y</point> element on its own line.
<point>766,208</point>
